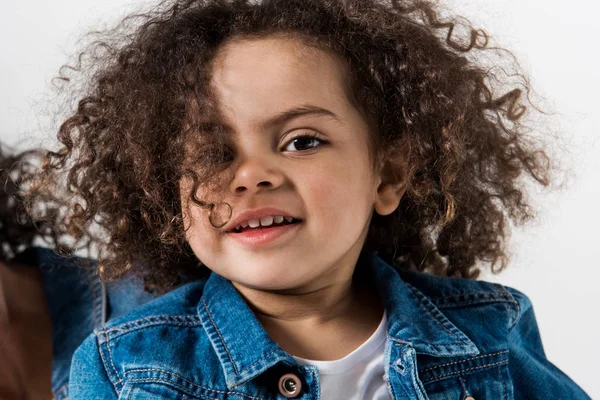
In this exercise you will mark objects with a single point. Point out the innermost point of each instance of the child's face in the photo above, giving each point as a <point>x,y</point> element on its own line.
<point>327,182</point>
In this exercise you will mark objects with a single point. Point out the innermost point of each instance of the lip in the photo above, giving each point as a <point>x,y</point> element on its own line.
<point>255,214</point>
<point>263,236</point>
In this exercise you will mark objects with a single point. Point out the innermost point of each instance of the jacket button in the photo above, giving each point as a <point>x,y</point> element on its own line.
<point>290,386</point>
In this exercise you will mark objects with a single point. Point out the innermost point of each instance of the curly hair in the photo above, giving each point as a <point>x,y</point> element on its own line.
<point>435,107</point>
<point>17,230</point>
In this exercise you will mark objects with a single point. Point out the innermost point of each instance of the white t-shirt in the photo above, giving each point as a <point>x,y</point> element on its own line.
<point>357,376</point>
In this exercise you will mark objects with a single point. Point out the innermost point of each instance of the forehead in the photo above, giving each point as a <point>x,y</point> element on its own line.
<point>253,79</point>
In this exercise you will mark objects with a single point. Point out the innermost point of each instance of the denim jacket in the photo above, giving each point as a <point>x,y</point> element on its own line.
<point>447,338</point>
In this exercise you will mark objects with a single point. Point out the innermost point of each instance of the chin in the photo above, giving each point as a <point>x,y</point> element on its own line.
<point>264,277</point>
<point>267,281</point>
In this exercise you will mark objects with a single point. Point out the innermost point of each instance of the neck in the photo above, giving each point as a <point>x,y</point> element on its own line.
<point>322,323</point>
<point>299,305</point>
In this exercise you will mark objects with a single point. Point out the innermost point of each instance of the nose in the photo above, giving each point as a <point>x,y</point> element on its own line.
<point>256,174</point>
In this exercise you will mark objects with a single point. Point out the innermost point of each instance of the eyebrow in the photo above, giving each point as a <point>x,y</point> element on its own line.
<point>283,117</point>
<point>296,112</point>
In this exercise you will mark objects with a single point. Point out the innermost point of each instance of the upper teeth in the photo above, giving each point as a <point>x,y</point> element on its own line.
<point>264,221</point>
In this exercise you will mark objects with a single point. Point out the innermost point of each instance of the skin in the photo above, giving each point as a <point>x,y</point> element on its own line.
<point>25,334</point>
<point>300,285</point>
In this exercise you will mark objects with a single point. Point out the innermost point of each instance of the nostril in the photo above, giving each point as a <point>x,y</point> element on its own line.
<point>264,183</point>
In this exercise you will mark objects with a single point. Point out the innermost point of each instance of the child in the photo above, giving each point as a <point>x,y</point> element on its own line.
<point>301,162</point>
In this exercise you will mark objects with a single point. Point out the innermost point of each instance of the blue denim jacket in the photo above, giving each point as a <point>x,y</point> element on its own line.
<point>447,338</point>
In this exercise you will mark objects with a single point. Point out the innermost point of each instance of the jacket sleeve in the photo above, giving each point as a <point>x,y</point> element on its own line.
<point>88,377</point>
<point>533,376</point>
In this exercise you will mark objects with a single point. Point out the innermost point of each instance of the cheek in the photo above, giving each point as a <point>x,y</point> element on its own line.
<point>196,225</point>
<point>343,192</point>
<point>201,241</point>
<point>196,217</point>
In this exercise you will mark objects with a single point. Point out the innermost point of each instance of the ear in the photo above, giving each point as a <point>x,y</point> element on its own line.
<point>393,179</point>
<point>388,197</point>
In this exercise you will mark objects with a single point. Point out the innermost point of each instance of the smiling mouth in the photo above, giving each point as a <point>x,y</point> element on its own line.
<point>248,228</point>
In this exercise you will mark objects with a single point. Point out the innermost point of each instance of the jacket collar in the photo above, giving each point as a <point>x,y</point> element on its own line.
<point>245,350</point>
<point>414,319</point>
<point>242,345</point>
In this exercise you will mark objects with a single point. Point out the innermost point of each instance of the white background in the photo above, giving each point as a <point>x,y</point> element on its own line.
<point>554,261</point>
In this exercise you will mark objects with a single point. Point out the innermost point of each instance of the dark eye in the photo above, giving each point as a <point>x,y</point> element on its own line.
<point>303,142</point>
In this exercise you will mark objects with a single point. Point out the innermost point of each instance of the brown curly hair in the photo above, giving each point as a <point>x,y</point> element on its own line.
<point>433,103</point>
<point>17,230</point>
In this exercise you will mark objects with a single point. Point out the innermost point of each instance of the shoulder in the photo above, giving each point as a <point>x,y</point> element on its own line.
<point>487,313</point>
<point>466,295</point>
<point>501,322</point>
<point>176,308</point>
<point>166,329</point>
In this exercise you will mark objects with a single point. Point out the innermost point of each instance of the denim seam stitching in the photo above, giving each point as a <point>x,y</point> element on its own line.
<point>220,337</point>
<point>106,366</point>
<point>187,381</point>
<point>465,370</point>
<point>463,360</point>
<point>390,387</point>
<point>489,299</point>
<point>468,302</point>
<point>488,294</point>
<point>163,323</point>
<point>259,360</point>
<point>465,390</point>
<point>503,386</point>
<point>152,319</point>
<point>413,290</point>
<point>170,383</point>
<point>113,363</point>
<point>174,374</point>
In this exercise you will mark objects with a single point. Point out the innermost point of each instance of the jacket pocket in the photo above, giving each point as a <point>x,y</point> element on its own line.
<point>485,376</point>
<point>154,391</point>
<point>157,383</point>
